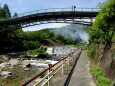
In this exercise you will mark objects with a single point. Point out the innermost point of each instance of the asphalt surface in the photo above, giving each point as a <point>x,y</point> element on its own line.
<point>81,75</point>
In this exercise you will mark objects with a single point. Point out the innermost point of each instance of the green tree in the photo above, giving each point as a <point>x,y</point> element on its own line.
<point>69,40</point>
<point>15,15</point>
<point>2,14</point>
<point>104,26</point>
<point>7,11</point>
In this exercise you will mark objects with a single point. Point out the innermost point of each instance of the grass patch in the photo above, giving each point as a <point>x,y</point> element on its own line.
<point>95,60</point>
<point>67,70</point>
<point>40,54</point>
<point>92,55</point>
<point>91,52</point>
<point>32,52</point>
<point>98,74</point>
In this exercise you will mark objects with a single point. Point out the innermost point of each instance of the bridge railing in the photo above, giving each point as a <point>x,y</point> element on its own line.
<point>58,10</point>
<point>51,72</point>
<point>87,9</point>
<point>54,10</point>
<point>44,11</point>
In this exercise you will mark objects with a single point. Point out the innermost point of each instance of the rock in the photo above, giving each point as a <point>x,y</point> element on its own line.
<point>4,57</point>
<point>33,56</point>
<point>23,58</point>
<point>41,69</point>
<point>6,77</point>
<point>18,58</point>
<point>1,85</point>
<point>6,74</point>
<point>13,62</point>
<point>28,65</point>
<point>27,69</point>
<point>3,65</point>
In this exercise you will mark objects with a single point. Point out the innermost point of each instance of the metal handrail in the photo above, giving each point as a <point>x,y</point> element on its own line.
<point>53,70</point>
<point>53,10</point>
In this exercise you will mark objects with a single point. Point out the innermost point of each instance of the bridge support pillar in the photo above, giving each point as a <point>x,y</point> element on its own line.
<point>63,66</point>
<point>68,62</point>
<point>50,79</point>
<point>62,69</point>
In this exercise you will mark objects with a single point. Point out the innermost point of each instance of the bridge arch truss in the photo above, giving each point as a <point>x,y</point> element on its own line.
<point>83,16</point>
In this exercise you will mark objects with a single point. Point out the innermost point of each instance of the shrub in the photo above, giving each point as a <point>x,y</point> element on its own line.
<point>42,49</point>
<point>91,52</point>
<point>102,81</point>
<point>39,53</point>
<point>32,52</point>
<point>30,44</point>
<point>98,73</point>
<point>43,55</point>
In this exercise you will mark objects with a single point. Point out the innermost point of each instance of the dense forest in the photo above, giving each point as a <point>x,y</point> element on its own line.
<point>13,39</point>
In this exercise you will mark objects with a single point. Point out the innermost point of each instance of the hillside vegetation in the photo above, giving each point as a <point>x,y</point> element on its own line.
<point>103,29</point>
<point>101,41</point>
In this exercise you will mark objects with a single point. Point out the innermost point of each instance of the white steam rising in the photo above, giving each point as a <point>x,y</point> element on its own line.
<point>77,32</point>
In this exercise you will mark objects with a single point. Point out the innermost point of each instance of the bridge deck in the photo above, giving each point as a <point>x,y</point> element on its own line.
<point>48,17</point>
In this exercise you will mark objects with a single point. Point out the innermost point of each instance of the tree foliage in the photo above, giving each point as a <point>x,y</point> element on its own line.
<point>104,26</point>
<point>15,15</point>
<point>2,14</point>
<point>7,11</point>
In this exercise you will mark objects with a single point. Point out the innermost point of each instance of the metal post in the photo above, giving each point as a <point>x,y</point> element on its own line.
<point>91,20</point>
<point>72,59</point>
<point>68,60</point>
<point>50,81</point>
<point>48,77</point>
<point>63,67</point>
<point>92,9</point>
<point>45,10</point>
<point>62,9</point>
<point>74,7</point>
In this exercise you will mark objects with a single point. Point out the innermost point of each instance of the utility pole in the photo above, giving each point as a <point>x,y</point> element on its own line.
<point>73,8</point>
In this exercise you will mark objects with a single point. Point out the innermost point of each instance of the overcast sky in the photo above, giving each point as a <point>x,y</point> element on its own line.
<point>22,6</point>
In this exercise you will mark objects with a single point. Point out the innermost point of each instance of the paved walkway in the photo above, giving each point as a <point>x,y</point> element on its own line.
<point>81,75</point>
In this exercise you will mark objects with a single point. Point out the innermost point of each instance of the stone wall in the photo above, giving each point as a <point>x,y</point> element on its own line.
<point>106,59</point>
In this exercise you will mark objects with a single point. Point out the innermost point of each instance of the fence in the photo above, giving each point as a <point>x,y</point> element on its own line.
<point>53,10</point>
<point>58,10</point>
<point>54,74</point>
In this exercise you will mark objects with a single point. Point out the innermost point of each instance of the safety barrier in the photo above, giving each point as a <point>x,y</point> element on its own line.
<point>58,10</point>
<point>48,73</point>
